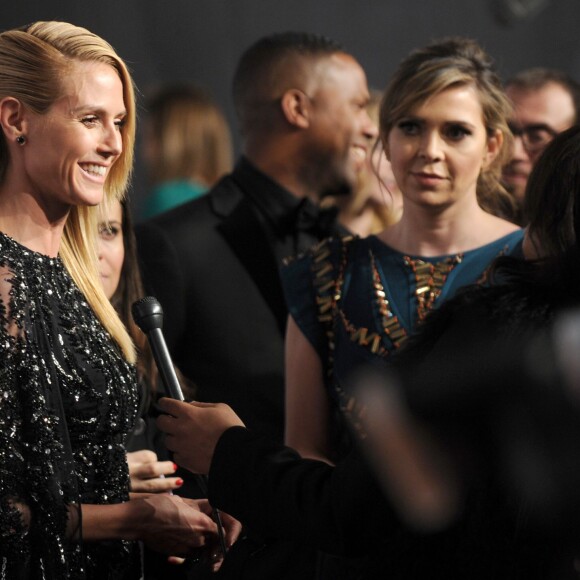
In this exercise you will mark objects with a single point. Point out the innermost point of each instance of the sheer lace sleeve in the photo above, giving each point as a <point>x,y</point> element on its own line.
<point>15,513</point>
<point>39,513</point>
<point>67,401</point>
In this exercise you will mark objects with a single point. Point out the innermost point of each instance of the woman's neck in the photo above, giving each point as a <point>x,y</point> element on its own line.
<point>24,219</point>
<point>430,232</point>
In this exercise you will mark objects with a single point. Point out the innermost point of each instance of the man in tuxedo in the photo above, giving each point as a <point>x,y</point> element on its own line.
<point>213,262</point>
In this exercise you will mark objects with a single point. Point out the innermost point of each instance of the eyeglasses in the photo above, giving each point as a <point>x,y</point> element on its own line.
<point>534,137</point>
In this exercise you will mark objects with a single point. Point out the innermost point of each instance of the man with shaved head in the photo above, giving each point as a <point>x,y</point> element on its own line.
<point>213,263</point>
<point>299,99</point>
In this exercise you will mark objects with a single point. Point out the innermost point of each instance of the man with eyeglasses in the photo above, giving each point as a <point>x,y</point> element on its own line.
<point>546,102</point>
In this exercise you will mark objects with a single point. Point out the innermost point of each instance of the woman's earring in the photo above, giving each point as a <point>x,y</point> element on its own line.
<point>21,139</point>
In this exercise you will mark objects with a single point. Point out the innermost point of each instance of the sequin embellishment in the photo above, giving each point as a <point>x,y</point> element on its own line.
<point>68,398</point>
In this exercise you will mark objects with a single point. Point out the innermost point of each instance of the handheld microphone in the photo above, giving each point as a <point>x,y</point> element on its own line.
<point>148,316</point>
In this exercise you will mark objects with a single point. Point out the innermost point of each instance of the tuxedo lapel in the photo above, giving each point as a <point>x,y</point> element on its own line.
<point>244,234</point>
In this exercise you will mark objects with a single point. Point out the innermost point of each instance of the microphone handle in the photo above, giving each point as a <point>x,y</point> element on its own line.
<point>164,364</point>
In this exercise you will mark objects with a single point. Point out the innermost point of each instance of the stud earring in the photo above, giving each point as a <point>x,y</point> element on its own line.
<point>21,139</point>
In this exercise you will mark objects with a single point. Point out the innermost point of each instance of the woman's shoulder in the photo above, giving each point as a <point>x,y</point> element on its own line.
<point>504,242</point>
<point>498,229</point>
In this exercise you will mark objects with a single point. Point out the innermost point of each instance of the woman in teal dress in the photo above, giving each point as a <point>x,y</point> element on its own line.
<point>443,125</point>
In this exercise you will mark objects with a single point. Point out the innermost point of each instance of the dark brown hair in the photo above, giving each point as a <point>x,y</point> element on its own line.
<point>552,199</point>
<point>129,290</point>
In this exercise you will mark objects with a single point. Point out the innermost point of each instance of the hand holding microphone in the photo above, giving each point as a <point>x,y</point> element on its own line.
<point>203,423</point>
<point>148,315</point>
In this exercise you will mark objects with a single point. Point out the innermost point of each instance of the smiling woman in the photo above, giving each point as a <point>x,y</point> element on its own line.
<point>69,163</point>
<point>67,129</point>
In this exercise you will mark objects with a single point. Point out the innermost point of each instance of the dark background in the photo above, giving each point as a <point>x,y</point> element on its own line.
<point>201,40</point>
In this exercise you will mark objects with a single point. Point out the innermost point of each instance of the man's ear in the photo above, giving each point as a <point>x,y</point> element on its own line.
<point>12,118</point>
<point>296,108</point>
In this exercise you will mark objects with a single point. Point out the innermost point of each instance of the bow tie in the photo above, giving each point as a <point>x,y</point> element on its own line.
<point>310,219</point>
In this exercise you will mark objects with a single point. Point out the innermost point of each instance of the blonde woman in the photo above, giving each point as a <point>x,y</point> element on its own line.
<point>67,126</point>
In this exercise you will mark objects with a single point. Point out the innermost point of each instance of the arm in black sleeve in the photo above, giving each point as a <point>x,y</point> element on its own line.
<point>272,489</point>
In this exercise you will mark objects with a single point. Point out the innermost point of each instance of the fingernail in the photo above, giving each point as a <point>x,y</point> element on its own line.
<point>175,466</point>
<point>179,482</point>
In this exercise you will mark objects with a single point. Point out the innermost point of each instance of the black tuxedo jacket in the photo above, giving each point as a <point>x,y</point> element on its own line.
<point>210,265</point>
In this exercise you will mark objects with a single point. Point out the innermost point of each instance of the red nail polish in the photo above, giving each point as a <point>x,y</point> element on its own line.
<point>175,466</point>
<point>179,482</point>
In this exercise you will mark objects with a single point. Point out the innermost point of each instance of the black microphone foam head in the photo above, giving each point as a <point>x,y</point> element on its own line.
<point>147,313</point>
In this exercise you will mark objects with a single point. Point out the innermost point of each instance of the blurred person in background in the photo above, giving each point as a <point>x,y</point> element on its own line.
<point>545,102</point>
<point>376,201</point>
<point>150,467</point>
<point>187,146</point>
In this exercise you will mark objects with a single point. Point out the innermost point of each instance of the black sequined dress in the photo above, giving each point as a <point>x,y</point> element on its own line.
<point>67,400</point>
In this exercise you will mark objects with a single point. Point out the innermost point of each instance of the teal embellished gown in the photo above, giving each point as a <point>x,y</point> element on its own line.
<point>357,300</point>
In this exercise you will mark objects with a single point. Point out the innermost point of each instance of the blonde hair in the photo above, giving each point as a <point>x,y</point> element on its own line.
<point>448,63</point>
<point>34,61</point>
<point>189,135</point>
<point>384,215</point>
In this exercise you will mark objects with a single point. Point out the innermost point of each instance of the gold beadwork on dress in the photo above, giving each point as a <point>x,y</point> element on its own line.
<point>328,282</point>
<point>430,279</point>
<point>324,282</point>
<point>390,323</point>
<point>362,336</point>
